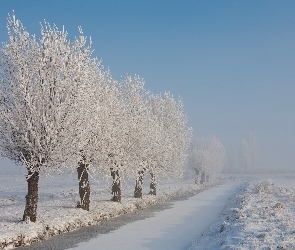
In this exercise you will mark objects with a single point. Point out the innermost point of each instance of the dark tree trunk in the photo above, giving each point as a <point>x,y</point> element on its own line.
<point>207,178</point>
<point>153,185</point>
<point>116,186</point>
<point>84,186</point>
<point>30,212</point>
<point>138,185</point>
<point>202,177</point>
<point>197,176</point>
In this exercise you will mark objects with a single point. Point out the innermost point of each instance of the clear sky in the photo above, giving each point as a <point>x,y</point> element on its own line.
<point>232,62</point>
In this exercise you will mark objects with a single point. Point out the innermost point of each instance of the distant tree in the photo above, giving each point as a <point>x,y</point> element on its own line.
<point>249,152</point>
<point>229,164</point>
<point>206,158</point>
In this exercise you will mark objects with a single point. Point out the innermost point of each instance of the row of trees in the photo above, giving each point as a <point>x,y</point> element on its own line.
<point>60,109</point>
<point>207,157</point>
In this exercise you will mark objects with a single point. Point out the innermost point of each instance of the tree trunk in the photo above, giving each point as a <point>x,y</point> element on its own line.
<point>202,177</point>
<point>30,212</point>
<point>153,185</point>
<point>138,185</point>
<point>207,178</point>
<point>197,178</point>
<point>84,186</point>
<point>116,186</point>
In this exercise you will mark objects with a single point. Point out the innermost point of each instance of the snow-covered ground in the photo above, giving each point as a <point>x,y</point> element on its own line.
<point>258,215</point>
<point>261,216</point>
<point>57,212</point>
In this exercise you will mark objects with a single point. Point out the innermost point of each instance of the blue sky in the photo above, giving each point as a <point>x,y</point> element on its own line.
<point>232,62</point>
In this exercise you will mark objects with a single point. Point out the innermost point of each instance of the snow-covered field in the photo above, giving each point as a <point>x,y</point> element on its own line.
<point>57,212</point>
<point>261,216</point>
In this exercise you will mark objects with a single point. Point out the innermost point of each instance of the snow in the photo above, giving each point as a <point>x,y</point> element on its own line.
<point>173,228</point>
<point>249,214</point>
<point>261,216</point>
<point>57,212</point>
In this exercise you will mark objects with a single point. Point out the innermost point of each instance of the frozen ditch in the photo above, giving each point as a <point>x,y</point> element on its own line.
<point>71,239</point>
<point>172,228</point>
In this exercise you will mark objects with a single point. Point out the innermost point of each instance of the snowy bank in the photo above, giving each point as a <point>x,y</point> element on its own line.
<point>56,209</point>
<point>261,216</point>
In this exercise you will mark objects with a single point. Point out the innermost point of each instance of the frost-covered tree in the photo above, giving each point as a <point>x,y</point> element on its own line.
<point>167,138</point>
<point>206,157</point>
<point>137,130</point>
<point>172,139</point>
<point>249,152</point>
<point>97,102</point>
<point>39,91</point>
<point>157,134</point>
<point>105,138</point>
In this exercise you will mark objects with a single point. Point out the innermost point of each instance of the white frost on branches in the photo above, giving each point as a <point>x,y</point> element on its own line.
<point>45,86</point>
<point>58,107</point>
